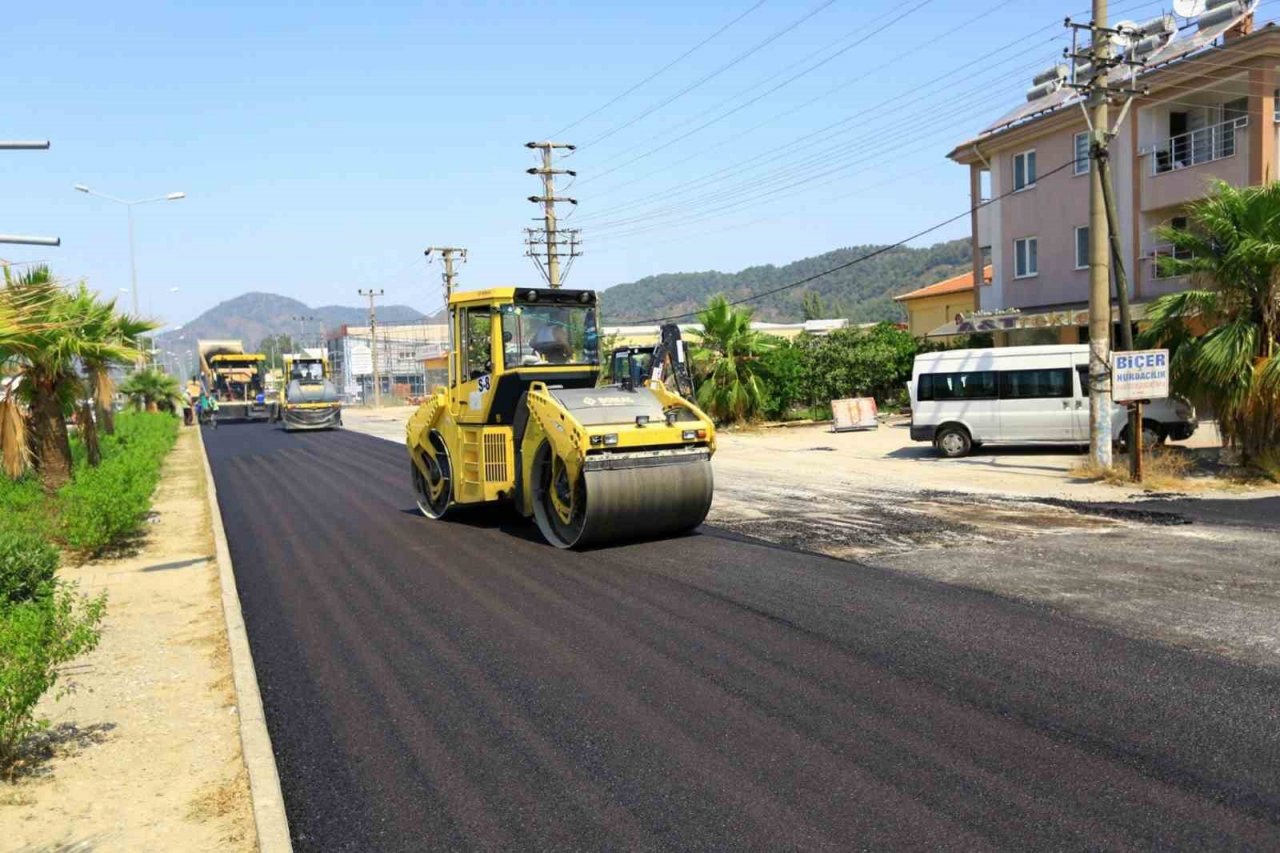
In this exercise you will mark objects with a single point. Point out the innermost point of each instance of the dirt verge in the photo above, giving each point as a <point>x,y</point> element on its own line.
<point>145,754</point>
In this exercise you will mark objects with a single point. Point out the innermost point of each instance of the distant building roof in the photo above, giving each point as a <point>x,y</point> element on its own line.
<point>956,284</point>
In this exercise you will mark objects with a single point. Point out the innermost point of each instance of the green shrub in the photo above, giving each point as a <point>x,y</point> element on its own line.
<point>103,506</point>
<point>23,505</point>
<point>36,637</point>
<point>27,564</point>
<point>783,369</point>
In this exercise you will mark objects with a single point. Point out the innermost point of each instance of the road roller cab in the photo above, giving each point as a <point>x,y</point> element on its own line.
<point>521,420</point>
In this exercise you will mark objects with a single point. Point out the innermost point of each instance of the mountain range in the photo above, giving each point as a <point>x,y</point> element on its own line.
<point>251,317</point>
<point>862,292</point>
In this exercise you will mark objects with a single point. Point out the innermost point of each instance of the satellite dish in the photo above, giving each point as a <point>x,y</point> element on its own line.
<point>1188,8</point>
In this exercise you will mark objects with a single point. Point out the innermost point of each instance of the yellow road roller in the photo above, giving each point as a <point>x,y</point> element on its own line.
<point>308,398</point>
<point>522,420</point>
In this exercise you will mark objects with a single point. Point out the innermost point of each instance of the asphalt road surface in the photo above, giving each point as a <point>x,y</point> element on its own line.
<point>461,685</point>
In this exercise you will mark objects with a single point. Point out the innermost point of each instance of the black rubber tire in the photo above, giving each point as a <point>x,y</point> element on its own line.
<point>431,507</point>
<point>953,441</point>
<point>1153,436</point>
<point>553,529</point>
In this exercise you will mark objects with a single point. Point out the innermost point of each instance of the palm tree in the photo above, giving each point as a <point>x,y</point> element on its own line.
<point>727,357</point>
<point>15,448</point>
<point>1224,332</point>
<point>67,327</point>
<point>20,324</point>
<point>127,330</point>
<point>152,389</point>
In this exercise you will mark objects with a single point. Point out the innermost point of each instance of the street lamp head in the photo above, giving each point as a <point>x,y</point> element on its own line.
<point>82,188</point>
<point>175,196</point>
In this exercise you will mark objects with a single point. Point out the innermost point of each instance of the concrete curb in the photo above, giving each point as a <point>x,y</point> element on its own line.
<point>255,743</point>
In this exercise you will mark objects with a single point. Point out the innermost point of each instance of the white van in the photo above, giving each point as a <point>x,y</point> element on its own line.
<point>961,399</point>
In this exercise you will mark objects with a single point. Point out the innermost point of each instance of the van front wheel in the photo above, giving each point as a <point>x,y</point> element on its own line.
<point>1152,436</point>
<point>953,442</point>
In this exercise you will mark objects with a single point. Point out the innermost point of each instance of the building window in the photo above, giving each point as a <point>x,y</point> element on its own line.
<point>1025,262</point>
<point>1082,247</point>
<point>1024,170</point>
<point>1081,165</point>
<point>1178,223</point>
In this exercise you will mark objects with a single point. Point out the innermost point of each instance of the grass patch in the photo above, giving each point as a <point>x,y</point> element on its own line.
<point>102,507</point>
<point>1164,469</point>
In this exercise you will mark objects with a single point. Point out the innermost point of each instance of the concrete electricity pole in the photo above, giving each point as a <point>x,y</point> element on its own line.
<point>373,343</point>
<point>447,252</point>
<point>1099,251</point>
<point>549,253</point>
<point>1092,79</point>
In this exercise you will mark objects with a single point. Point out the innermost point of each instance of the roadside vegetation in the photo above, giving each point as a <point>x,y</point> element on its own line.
<point>745,375</point>
<point>1223,332</point>
<point>81,490</point>
<point>151,390</point>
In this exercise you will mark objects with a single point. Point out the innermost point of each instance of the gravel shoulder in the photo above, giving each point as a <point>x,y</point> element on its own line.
<point>145,754</point>
<point>1200,572</point>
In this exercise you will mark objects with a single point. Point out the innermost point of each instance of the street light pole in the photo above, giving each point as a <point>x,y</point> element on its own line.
<point>129,205</point>
<point>133,262</point>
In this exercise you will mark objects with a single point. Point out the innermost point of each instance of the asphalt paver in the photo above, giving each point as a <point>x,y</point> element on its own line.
<point>460,684</point>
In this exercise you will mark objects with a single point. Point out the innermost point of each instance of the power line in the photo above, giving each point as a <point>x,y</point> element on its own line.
<point>723,68</point>
<point>659,72</point>
<point>862,258</point>
<point>754,184</point>
<point>895,101</point>
<point>898,58</point>
<point>831,161</point>
<point>894,14</point>
<point>985,58</point>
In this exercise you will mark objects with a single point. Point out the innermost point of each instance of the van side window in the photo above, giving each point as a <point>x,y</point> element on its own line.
<point>974,385</point>
<point>1036,384</point>
<point>1082,370</point>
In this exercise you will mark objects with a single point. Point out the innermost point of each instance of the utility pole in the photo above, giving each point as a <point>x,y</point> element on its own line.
<point>302,332</point>
<point>373,343</point>
<point>1104,238</point>
<point>1099,269</point>
<point>545,247</point>
<point>447,252</point>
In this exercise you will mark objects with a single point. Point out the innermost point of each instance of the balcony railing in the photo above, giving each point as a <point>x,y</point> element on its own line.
<point>1203,145</point>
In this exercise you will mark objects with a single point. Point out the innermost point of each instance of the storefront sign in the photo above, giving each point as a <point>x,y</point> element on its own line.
<point>1139,375</point>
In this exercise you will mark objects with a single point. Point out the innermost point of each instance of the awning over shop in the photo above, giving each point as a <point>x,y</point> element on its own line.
<point>1009,321</point>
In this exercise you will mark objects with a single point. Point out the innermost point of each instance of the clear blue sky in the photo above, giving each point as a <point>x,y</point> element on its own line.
<point>323,146</point>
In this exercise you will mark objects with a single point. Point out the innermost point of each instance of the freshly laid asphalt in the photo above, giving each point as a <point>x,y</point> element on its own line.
<point>461,685</point>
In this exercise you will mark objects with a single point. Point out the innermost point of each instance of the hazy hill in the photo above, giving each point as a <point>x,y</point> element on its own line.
<point>251,317</point>
<point>864,291</point>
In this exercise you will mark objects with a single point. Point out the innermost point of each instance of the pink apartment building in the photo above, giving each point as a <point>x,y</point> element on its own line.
<point>1210,113</point>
